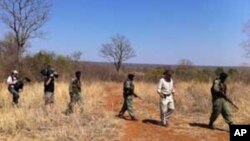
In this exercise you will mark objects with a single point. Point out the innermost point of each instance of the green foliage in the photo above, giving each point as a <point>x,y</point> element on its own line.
<point>44,57</point>
<point>154,74</point>
<point>204,75</point>
<point>218,70</point>
<point>233,72</point>
<point>33,64</point>
<point>63,64</point>
<point>182,74</point>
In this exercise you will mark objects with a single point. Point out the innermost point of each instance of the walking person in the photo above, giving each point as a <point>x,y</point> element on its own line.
<point>220,104</point>
<point>166,91</point>
<point>75,92</point>
<point>128,94</point>
<point>49,87</point>
<point>12,81</point>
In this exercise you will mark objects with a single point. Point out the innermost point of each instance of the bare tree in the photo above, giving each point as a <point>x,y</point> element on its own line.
<point>76,56</point>
<point>25,19</point>
<point>117,51</point>
<point>185,63</point>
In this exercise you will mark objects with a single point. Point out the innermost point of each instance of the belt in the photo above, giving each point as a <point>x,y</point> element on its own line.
<point>164,95</point>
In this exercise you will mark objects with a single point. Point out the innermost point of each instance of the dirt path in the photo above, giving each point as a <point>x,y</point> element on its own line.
<point>148,129</point>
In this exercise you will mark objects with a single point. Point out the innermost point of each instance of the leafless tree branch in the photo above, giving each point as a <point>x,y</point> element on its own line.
<point>117,51</point>
<point>25,18</point>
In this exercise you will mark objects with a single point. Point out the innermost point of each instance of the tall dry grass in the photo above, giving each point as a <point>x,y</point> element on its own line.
<point>193,108</point>
<point>193,101</point>
<point>33,121</point>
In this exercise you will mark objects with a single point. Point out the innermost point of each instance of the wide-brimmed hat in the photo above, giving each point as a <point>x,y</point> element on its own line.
<point>15,72</point>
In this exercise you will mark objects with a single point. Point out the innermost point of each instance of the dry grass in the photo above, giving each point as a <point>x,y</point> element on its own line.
<point>33,121</point>
<point>193,107</point>
<point>193,101</point>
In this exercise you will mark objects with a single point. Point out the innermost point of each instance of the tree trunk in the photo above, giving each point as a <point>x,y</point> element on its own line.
<point>118,66</point>
<point>19,57</point>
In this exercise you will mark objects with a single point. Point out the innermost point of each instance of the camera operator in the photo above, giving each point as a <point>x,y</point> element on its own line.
<point>49,87</point>
<point>11,81</point>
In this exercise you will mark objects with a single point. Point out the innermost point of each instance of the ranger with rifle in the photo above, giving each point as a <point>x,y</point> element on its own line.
<point>128,94</point>
<point>75,92</point>
<point>137,96</point>
<point>220,101</point>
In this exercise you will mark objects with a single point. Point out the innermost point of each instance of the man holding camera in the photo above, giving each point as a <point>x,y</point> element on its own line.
<point>11,81</point>
<point>49,87</point>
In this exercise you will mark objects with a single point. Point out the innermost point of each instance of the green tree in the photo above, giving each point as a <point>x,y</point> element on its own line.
<point>219,70</point>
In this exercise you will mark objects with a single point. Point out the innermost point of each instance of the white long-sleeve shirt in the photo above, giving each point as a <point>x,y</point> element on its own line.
<point>11,80</point>
<point>165,87</point>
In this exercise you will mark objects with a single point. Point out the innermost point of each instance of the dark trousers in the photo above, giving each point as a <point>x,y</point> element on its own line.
<point>15,95</point>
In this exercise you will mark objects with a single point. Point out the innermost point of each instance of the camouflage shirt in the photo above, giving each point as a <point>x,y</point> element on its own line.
<point>128,87</point>
<point>75,86</point>
<point>218,89</point>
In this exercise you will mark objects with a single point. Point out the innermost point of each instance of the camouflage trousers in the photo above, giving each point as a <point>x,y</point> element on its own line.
<point>15,95</point>
<point>128,106</point>
<point>220,106</point>
<point>75,98</point>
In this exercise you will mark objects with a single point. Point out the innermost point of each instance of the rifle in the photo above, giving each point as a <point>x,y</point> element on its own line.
<point>231,102</point>
<point>135,95</point>
<point>224,94</point>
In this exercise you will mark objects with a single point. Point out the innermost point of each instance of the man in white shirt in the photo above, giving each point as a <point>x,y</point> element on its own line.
<point>11,81</point>
<point>166,91</point>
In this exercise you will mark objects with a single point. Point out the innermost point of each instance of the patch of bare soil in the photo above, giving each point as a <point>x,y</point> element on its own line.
<point>150,129</point>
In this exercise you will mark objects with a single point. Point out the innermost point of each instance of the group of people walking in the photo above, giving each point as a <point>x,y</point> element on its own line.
<point>75,91</point>
<point>166,92</point>
<point>165,89</point>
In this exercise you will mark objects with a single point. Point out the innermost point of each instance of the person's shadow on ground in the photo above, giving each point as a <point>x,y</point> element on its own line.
<point>203,125</point>
<point>152,121</point>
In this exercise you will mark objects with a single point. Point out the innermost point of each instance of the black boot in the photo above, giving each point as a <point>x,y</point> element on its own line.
<point>210,125</point>
<point>134,119</point>
<point>230,123</point>
<point>120,115</point>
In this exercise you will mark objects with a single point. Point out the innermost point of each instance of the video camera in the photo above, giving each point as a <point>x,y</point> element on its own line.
<point>49,72</point>
<point>20,83</point>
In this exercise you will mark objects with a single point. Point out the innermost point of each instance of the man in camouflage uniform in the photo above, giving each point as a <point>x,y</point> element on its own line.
<point>220,104</point>
<point>75,92</point>
<point>128,94</point>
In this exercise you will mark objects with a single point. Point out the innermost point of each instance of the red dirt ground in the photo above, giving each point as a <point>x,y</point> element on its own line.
<point>141,131</point>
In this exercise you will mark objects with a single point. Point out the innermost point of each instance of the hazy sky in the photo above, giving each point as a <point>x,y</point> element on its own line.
<point>207,32</point>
